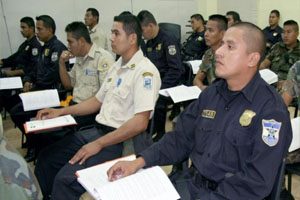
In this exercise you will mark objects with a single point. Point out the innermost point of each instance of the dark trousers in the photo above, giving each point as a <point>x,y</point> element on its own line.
<point>160,114</point>
<point>56,176</point>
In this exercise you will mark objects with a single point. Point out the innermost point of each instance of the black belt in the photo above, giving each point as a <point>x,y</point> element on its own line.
<point>203,182</point>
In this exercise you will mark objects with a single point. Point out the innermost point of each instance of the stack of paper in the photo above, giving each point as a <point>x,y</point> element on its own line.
<point>10,83</point>
<point>47,124</point>
<point>146,184</point>
<point>181,93</point>
<point>40,99</point>
<point>195,65</point>
<point>296,134</point>
<point>269,76</point>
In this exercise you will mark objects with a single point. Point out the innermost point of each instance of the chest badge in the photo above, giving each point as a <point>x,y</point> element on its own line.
<point>246,117</point>
<point>158,47</point>
<point>208,114</point>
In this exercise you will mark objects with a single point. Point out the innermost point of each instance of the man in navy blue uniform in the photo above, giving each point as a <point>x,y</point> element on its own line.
<point>273,31</point>
<point>46,74</point>
<point>22,62</point>
<point>163,50</point>
<point>195,46</point>
<point>27,55</point>
<point>236,134</point>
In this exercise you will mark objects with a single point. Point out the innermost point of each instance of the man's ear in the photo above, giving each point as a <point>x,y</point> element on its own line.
<point>133,38</point>
<point>253,59</point>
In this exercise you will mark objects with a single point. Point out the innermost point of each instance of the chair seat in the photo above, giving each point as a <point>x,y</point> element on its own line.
<point>293,168</point>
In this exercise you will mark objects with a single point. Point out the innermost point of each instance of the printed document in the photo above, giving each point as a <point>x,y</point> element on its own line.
<point>269,76</point>
<point>10,83</point>
<point>46,124</point>
<point>40,99</point>
<point>181,93</point>
<point>195,65</point>
<point>147,184</point>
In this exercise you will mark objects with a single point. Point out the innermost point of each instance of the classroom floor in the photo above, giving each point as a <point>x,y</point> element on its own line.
<point>14,137</point>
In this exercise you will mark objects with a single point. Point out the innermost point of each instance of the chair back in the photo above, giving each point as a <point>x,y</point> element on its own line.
<point>173,29</point>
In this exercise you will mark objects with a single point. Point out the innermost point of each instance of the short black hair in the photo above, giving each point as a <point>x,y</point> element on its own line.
<point>276,12</point>
<point>221,19</point>
<point>145,17</point>
<point>94,12</point>
<point>29,21</point>
<point>130,25</point>
<point>198,17</point>
<point>48,22</point>
<point>125,13</point>
<point>78,30</point>
<point>291,23</point>
<point>235,16</point>
<point>253,37</point>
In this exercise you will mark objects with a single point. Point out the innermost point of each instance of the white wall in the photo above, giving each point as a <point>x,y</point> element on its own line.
<point>176,11</point>
<point>66,11</point>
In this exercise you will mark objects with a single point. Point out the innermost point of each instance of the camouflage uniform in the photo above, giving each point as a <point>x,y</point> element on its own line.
<point>282,59</point>
<point>16,179</point>
<point>208,66</point>
<point>89,72</point>
<point>292,87</point>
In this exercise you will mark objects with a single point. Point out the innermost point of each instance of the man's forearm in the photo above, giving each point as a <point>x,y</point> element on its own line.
<point>64,76</point>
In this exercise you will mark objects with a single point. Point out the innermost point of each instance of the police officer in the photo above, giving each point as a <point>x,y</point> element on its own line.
<point>45,76</point>
<point>284,54</point>
<point>98,36</point>
<point>27,55</point>
<point>126,99</point>
<point>88,73</point>
<point>195,46</point>
<point>22,62</point>
<point>233,17</point>
<point>163,51</point>
<point>236,134</point>
<point>215,29</point>
<point>273,31</point>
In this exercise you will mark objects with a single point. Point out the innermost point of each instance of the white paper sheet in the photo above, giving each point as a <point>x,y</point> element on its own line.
<point>40,99</point>
<point>10,83</point>
<point>147,184</point>
<point>269,76</point>
<point>38,125</point>
<point>181,93</point>
<point>195,65</point>
<point>296,134</point>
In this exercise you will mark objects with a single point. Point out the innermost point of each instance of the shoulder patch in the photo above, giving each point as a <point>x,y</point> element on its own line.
<point>34,51</point>
<point>54,56</point>
<point>148,79</point>
<point>270,132</point>
<point>172,50</point>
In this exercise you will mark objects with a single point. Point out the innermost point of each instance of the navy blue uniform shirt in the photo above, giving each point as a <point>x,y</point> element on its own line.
<point>194,47</point>
<point>47,74</point>
<point>26,57</point>
<point>237,139</point>
<point>164,53</point>
<point>273,35</point>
